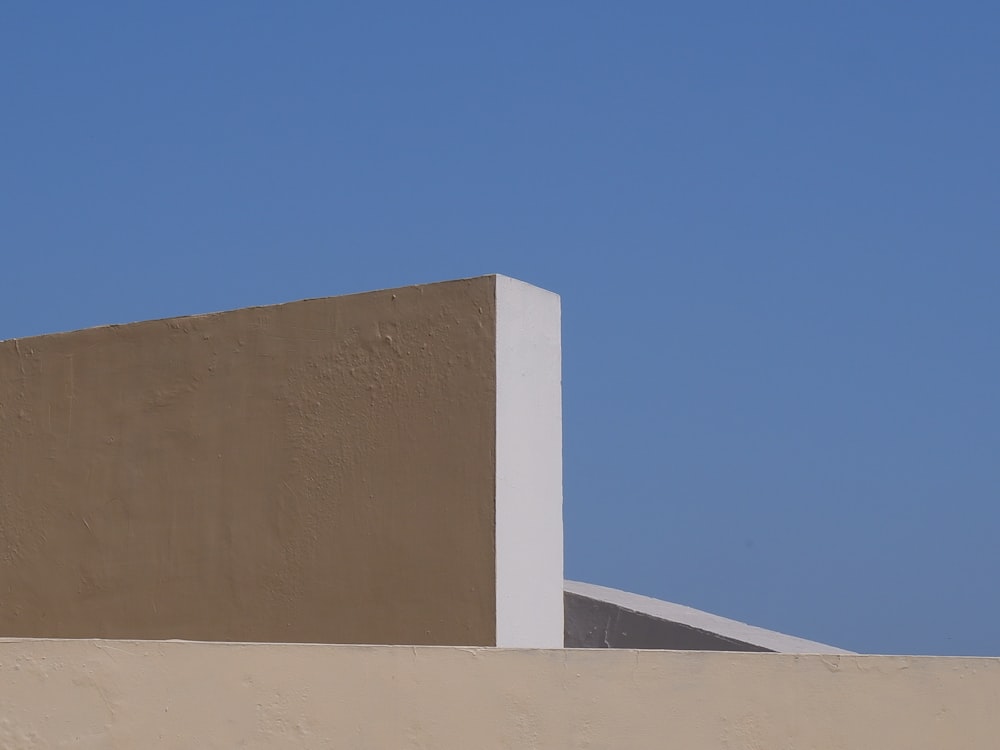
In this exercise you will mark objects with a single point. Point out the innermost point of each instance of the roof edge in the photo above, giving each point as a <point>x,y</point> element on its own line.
<point>699,620</point>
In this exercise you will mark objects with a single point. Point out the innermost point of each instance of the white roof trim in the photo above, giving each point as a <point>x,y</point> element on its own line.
<point>695,618</point>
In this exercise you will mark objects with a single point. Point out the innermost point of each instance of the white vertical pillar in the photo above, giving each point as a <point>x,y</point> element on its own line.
<point>529,528</point>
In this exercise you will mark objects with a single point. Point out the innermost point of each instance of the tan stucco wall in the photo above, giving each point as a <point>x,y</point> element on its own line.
<point>88,694</point>
<point>319,471</point>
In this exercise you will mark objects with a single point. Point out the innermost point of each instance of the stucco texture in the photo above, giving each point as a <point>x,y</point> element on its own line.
<point>319,471</point>
<point>94,694</point>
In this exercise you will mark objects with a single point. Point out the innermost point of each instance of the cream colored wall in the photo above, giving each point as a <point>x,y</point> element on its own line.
<point>93,694</point>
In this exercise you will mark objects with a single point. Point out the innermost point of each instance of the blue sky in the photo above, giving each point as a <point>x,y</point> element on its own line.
<point>775,228</point>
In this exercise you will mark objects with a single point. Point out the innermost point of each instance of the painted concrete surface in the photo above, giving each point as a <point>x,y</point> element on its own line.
<point>318,471</point>
<point>529,524</point>
<point>601,617</point>
<point>101,694</point>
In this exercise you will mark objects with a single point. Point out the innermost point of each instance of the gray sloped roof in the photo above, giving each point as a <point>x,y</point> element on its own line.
<point>601,617</point>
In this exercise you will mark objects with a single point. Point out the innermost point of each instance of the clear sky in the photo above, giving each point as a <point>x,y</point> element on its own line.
<point>775,228</point>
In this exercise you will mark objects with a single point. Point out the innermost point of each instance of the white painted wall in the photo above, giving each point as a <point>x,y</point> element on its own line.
<point>529,528</point>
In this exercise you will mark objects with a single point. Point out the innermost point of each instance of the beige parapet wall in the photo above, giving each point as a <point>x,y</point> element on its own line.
<point>100,694</point>
<point>350,470</point>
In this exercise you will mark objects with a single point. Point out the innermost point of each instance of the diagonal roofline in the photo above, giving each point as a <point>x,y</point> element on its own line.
<point>654,623</point>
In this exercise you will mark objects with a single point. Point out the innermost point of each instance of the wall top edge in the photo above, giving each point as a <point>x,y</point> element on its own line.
<point>489,278</point>
<point>512,283</point>
<point>841,659</point>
